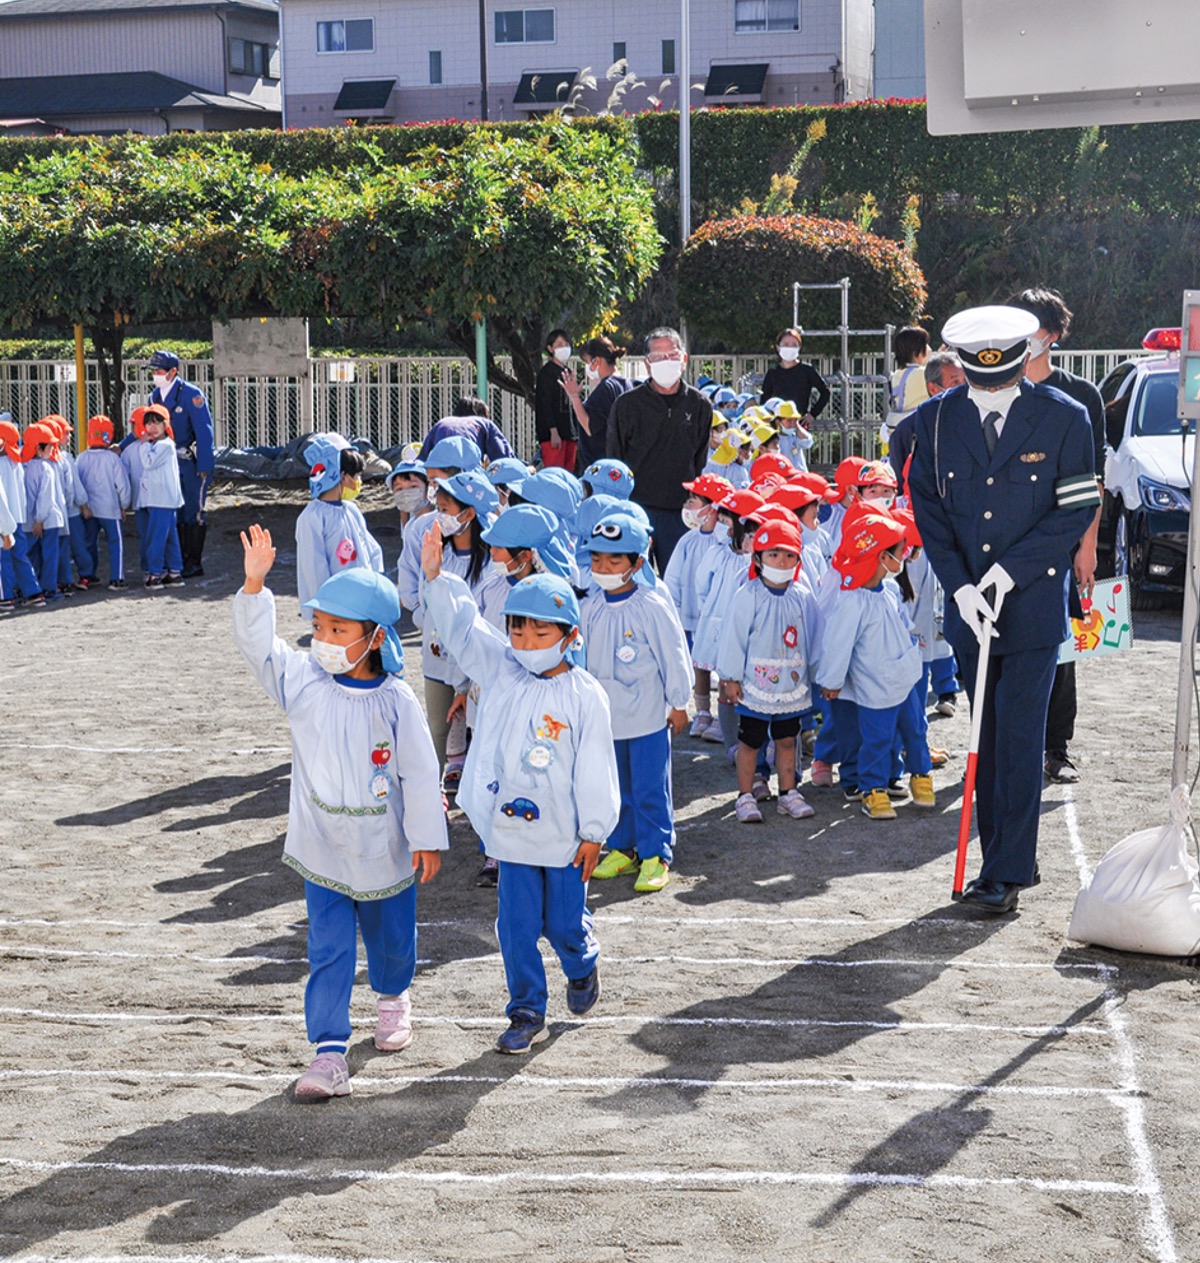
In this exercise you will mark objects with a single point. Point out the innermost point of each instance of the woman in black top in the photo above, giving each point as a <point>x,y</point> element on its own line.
<point>553,423</point>
<point>790,379</point>
<point>606,385</point>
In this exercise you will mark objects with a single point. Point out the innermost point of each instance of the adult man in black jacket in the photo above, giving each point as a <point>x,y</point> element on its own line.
<point>660,430</point>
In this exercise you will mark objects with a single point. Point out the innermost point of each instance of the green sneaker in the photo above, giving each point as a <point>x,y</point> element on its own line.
<point>615,864</point>
<point>654,875</point>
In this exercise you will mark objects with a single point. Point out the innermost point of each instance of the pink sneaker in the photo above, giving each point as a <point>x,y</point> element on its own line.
<point>394,1029</point>
<point>329,1075</point>
<point>821,774</point>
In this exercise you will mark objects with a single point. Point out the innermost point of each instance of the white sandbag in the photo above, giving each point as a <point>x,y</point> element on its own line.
<point>1143,895</point>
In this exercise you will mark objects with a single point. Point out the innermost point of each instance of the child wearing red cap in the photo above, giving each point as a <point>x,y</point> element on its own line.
<point>105,481</point>
<point>870,482</point>
<point>161,495</point>
<point>71,541</point>
<point>17,577</point>
<point>870,657</point>
<point>681,576</point>
<point>765,665</point>
<point>45,505</point>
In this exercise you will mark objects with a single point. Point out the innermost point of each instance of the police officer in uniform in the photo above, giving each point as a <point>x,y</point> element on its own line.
<point>1003,485</point>
<point>192,423</point>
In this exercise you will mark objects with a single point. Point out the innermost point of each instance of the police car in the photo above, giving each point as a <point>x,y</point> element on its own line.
<point>1147,472</point>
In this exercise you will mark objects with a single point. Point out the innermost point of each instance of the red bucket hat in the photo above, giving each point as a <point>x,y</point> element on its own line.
<point>710,487</point>
<point>100,431</point>
<point>775,533</point>
<point>864,537</point>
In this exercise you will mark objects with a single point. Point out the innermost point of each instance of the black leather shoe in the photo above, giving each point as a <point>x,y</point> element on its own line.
<point>996,897</point>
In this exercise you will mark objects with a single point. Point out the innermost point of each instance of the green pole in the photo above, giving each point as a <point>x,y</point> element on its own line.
<point>481,378</point>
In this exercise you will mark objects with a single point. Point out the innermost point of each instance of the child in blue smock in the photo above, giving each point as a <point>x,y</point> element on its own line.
<point>161,495</point>
<point>765,662</point>
<point>870,656</point>
<point>18,579</point>
<point>131,457</point>
<point>612,477</point>
<point>331,532</point>
<point>45,507</point>
<point>540,782</point>
<point>364,811</point>
<point>682,577</point>
<point>637,650</point>
<point>106,484</point>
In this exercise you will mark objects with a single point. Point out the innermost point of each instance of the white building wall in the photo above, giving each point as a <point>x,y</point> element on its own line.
<point>899,48</point>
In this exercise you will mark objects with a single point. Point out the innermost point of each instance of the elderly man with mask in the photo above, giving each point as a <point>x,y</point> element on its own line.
<point>660,430</point>
<point>1003,485</point>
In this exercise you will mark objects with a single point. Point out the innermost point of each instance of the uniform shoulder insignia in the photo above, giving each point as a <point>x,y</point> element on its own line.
<point>1032,458</point>
<point>198,401</point>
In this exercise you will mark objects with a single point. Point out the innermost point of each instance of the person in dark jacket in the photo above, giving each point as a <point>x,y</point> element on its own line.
<point>553,422</point>
<point>605,385</point>
<point>790,379</point>
<point>660,430</point>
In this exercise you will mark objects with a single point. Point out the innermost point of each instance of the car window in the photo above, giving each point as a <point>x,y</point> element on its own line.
<point>1110,387</point>
<point>1116,392</point>
<point>1158,405</point>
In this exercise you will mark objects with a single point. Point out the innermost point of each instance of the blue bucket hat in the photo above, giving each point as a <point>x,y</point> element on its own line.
<point>623,533</point>
<point>408,467</point>
<point>590,512</point>
<point>545,597</point>
<point>324,457</point>
<point>165,360</point>
<point>531,526</point>
<point>472,490</point>
<point>455,452</point>
<point>611,476</point>
<point>506,471</point>
<point>367,597</point>
<point>553,489</point>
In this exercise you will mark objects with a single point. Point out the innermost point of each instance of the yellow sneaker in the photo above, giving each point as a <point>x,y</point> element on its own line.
<point>615,864</point>
<point>877,805</point>
<point>654,875</point>
<point>921,788</point>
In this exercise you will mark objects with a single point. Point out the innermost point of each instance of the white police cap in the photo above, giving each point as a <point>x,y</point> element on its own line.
<point>991,341</point>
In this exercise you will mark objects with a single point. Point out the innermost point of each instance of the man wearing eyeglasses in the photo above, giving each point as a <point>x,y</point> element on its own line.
<point>660,430</point>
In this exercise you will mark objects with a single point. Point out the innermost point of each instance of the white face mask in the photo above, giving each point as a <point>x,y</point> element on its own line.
<point>788,354</point>
<point>408,499</point>
<point>504,568</point>
<point>721,532</point>
<point>993,400</point>
<point>777,575</point>
<point>334,658</point>
<point>666,373</point>
<point>592,374</point>
<point>611,582</point>
<point>431,494</point>
<point>539,661</point>
<point>562,354</point>
<point>1038,347</point>
<point>160,382</point>
<point>450,524</point>
<point>691,518</point>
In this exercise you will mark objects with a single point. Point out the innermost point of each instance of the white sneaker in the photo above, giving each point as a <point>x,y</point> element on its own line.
<point>712,732</point>
<point>329,1075</point>
<point>792,804</point>
<point>394,1028</point>
<point>701,724</point>
<point>747,810</point>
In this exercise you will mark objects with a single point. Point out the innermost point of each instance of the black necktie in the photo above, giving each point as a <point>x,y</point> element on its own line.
<point>990,435</point>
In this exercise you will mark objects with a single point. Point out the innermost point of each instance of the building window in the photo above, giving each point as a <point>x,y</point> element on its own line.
<point>524,26</point>
<point>435,66</point>
<point>766,15</point>
<point>352,35</point>
<point>249,58</point>
<point>668,57</point>
<point>619,52</point>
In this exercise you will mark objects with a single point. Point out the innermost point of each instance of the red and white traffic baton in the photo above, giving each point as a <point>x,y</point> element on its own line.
<point>964,822</point>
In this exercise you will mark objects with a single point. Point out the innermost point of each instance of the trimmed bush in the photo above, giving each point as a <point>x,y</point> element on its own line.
<point>735,278</point>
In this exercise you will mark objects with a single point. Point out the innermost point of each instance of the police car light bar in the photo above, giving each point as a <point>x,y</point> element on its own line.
<point>1163,340</point>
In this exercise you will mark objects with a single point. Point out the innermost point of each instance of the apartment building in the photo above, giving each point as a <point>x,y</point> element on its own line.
<point>384,61</point>
<point>147,66</point>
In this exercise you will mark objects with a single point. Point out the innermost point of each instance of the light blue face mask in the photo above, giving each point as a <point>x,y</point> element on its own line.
<point>539,661</point>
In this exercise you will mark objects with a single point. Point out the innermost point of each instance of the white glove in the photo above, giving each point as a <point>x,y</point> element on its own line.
<point>975,611</point>
<point>1001,581</point>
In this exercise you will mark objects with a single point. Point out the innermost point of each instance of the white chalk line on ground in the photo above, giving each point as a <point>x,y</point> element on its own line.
<point>719,1177</point>
<point>626,1019</point>
<point>725,962</point>
<point>559,1082</point>
<point>207,750</point>
<point>1156,1227</point>
<point>200,1258</point>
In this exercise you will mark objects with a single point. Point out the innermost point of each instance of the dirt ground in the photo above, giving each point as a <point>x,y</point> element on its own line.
<point>804,1050</point>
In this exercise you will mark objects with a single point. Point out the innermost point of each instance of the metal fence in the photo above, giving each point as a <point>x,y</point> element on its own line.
<point>394,400</point>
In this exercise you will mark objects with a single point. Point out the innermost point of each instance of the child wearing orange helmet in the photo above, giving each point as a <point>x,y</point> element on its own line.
<point>18,579</point>
<point>105,481</point>
<point>45,505</point>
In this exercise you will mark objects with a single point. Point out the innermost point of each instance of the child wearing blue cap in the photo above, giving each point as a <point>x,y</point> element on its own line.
<point>331,533</point>
<point>507,472</point>
<point>637,650</point>
<point>364,812</point>
<point>408,484</point>
<point>540,782</point>
<point>612,477</point>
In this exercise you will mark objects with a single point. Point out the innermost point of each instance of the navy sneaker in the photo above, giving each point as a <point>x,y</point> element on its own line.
<point>525,1028</point>
<point>582,993</point>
